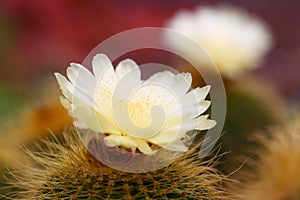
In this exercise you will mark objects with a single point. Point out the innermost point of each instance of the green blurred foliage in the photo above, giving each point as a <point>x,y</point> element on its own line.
<point>11,99</point>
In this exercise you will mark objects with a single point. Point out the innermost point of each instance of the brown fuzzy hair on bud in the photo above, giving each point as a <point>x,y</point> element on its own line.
<point>66,170</point>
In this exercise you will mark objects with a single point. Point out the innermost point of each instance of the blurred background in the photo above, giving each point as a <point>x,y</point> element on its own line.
<point>38,38</point>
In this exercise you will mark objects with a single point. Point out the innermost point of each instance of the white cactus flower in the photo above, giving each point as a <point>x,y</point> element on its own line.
<point>234,40</point>
<point>132,113</point>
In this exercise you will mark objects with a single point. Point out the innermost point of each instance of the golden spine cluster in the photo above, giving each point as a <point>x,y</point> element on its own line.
<point>66,170</point>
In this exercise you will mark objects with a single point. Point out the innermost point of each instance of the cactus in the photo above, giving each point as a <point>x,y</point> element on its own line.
<point>276,172</point>
<point>68,171</point>
<point>251,106</point>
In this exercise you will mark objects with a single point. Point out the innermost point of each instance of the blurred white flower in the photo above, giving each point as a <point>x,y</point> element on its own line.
<point>130,112</point>
<point>235,40</point>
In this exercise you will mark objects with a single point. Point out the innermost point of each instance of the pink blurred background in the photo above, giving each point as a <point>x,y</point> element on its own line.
<point>40,37</point>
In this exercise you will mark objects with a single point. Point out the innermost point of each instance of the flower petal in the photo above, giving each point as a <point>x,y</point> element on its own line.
<point>128,66</point>
<point>165,78</point>
<point>127,125</point>
<point>179,83</point>
<point>65,103</point>
<point>144,147</point>
<point>101,64</point>
<point>200,123</point>
<point>205,124</point>
<point>85,114</point>
<point>79,123</point>
<point>93,120</point>
<point>71,93</point>
<point>129,77</point>
<point>176,146</point>
<point>66,87</point>
<point>195,96</point>
<point>116,140</point>
<point>182,83</point>
<point>166,137</point>
<point>81,78</point>
<point>194,109</point>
